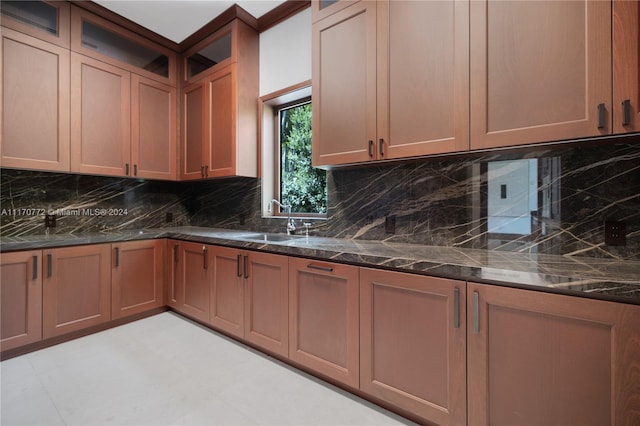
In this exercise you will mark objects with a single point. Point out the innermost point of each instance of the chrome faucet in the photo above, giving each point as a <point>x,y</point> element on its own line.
<point>290,225</point>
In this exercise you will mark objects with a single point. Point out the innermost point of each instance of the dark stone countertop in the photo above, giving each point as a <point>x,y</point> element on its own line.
<point>606,279</point>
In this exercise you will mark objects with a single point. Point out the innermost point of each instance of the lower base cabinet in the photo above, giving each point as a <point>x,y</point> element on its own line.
<point>189,293</point>
<point>546,359</point>
<point>20,298</point>
<point>413,343</point>
<point>137,277</point>
<point>76,288</point>
<point>324,318</point>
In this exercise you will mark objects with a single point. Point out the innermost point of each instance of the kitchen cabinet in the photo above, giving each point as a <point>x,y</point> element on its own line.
<point>35,103</point>
<point>137,277</point>
<point>540,71</point>
<point>123,102</point>
<point>20,298</point>
<point>191,289</point>
<point>45,20</point>
<point>536,358</point>
<point>324,318</point>
<point>413,343</point>
<point>219,115</point>
<point>76,288</point>
<point>382,88</point>
<point>626,66</point>
<point>322,8</point>
<point>249,295</point>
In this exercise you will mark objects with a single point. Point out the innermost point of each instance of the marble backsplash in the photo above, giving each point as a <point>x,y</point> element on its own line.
<point>551,200</point>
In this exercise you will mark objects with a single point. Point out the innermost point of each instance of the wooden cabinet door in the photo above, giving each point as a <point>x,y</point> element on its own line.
<point>100,118</point>
<point>76,288</point>
<point>153,129</point>
<point>413,343</point>
<point>221,112</point>
<point>626,66</point>
<point>193,281</point>
<point>320,9</point>
<point>344,86</point>
<point>45,20</point>
<point>539,71</point>
<point>137,277</point>
<point>227,291</point>
<point>20,298</point>
<point>194,129</point>
<point>35,103</point>
<point>423,78</point>
<point>266,301</point>
<point>323,318</point>
<point>542,359</point>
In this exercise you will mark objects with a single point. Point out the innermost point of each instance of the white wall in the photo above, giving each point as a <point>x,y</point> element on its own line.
<point>285,53</point>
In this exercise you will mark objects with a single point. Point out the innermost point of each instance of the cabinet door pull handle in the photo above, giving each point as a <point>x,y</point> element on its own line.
<point>456,308</point>
<point>126,169</point>
<point>626,112</point>
<point>175,253</point>
<point>202,171</point>
<point>135,170</point>
<point>206,171</point>
<point>49,265</point>
<point>246,266</point>
<point>320,267</point>
<point>35,267</point>
<point>371,148</point>
<point>238,270</point>
<point>117,249</point>
<point>601,115</point>
<point>204,257</point>
<point>476,312</point>
<point>381,146</point>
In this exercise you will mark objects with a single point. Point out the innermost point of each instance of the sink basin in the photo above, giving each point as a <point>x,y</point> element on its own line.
<point>268,237</point>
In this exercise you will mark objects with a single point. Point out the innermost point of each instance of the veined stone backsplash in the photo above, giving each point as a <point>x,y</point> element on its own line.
<point>552,200</point>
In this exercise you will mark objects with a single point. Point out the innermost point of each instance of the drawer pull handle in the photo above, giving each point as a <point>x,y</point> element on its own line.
<point>238,270</point>
<point>126,169</point>
<point>246,266</point>
<point>204,257</point>
<point>320,267</point>
<point>135,170</point>
<point>117,256</point>
<point>49,265</point>
<point>476,312</point>
<point>35,267</point>
<point>626,112</point>
<point>381,147</point>
<point>456,308</point>
<point>601,116</point>
<point>371,148</point>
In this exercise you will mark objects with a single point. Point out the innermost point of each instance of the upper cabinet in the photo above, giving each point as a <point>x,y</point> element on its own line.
<point>626,66</point>
<point>35,103</point>
<point>540,71</point>
<point>323,8</point>
<point>46,20</point>
<point>123,102</point>
<point>382,88</point>
<point>219,115</point>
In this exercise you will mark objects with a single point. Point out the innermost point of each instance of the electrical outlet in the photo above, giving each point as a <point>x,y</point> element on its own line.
<point>49,220</point>
<point>241,219</point>
<point>615,233</point>
<point>169,218</point>
<point>390,224</point>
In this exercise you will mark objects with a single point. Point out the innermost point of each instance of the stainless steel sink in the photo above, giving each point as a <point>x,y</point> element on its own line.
<point>268,237</point>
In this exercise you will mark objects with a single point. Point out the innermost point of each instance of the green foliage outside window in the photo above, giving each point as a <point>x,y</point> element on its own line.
<point>301,186</point>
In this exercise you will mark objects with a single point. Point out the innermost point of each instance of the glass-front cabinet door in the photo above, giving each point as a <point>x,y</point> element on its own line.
<point>320,9</point>
<point>46,20</point>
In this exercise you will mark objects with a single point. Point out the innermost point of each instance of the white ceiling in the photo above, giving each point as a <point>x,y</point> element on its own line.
<point>178,19</point>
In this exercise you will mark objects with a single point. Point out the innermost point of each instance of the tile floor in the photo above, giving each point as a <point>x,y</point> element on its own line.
<point>165,370</point>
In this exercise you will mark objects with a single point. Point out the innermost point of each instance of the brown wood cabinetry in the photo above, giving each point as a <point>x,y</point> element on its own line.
<point>76,288</point>
<point>20,298</point>
<point>322,8</point>
<point>413,343</point>
<point>537,359</point>
<point>540,71</point>
<point>249,296</point>
<point>191,288</point>
<point>323,318</point>
<point>626,66</point>
<point>100,117</point>
<point>137,277</point>
<point>45,20</point>
<point>35,103</point>
<point>219,114</point>
<point>383,89</point>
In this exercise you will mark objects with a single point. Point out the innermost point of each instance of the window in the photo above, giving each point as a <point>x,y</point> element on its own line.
<point>287,174</point>
<point>300,185</point>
